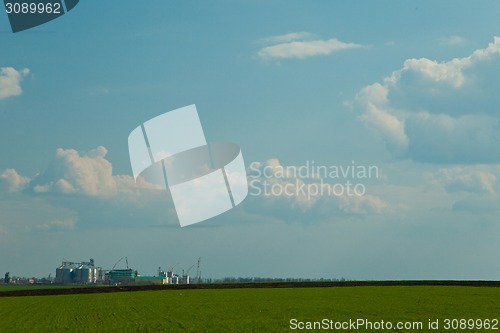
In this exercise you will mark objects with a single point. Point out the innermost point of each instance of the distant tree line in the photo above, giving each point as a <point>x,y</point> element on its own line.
<point>268,279</point>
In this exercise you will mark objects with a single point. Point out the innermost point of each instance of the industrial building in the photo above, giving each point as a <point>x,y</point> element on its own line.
<point>121,276</point>
<point>149,280</point>
<point>87,273</point>
<point>172,278</point>
<point>84,272</point>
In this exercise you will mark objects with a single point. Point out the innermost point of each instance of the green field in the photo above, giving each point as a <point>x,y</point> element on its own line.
<point>245,310</point>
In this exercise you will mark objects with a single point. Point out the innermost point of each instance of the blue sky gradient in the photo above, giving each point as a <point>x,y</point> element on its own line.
<point>408,86</point>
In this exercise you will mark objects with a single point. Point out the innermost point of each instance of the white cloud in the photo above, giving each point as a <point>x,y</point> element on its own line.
<point>14,181</point>
<point>301,45</point>
<point>431,71</point>
<point>10,81</point>
<point>376,117</point>
<point>474,179</point>
<point>438,112</point>
<point>367,204</point>
<point>286,193</point>
<point>451,40</point>
<point>293,36</point>
<point>78,186</point>
<point>72,172</point>
<point>466,188</point>
<point>88,173</point>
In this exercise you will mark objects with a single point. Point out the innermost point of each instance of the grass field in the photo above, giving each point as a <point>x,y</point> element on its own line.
<point>244,310</point>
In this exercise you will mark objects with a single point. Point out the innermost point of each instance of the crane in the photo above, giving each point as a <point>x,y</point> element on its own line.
<point>190,268</point>
<point>172,268</point>
<point>117,263</point>
<point>187,272</point>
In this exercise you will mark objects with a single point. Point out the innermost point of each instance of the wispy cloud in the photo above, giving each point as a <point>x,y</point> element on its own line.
<point>300,45</point>
<point>63,224</point>
<point>293,36</point>
<point>473,179</point>
<point>451,40</point>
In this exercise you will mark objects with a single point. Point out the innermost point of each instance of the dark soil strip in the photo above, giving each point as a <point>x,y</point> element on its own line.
<point>127,288</point>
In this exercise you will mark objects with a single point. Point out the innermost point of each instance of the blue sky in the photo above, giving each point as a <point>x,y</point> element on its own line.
<point>410,87</point>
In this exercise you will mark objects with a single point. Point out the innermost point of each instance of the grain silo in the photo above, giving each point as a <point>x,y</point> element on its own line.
<point>79,273</point>
<point>65,273</point>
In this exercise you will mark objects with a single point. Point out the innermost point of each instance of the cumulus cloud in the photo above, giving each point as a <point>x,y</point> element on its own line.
<point>10,81</point>
<point>90,173</point>
<point>13,181</point>
<point>80,187</point>
<point>376,117</point>
<point>71,172</point>
<point>301,45</point>
<point>438,112</point>
<point>286,191</point>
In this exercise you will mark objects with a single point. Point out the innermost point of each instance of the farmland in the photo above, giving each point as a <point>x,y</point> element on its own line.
<point>243,309</point>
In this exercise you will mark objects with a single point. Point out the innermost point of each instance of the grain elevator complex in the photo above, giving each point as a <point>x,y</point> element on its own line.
<point>79,273</point>
<point>87,273</point>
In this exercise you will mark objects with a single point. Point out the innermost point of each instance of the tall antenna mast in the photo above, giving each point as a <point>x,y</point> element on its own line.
<point>198,272</point>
